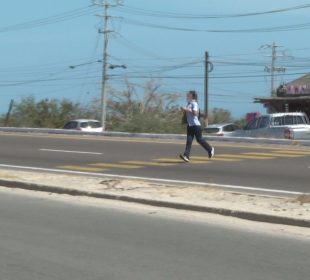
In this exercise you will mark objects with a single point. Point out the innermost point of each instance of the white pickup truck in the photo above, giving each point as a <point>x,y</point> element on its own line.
<point>279,125</point>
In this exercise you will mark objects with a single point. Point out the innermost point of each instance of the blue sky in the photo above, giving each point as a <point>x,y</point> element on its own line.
<point>35,56</point>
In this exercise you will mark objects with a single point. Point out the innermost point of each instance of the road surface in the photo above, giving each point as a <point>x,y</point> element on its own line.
<point>267,167</point>
<point>48,239</point>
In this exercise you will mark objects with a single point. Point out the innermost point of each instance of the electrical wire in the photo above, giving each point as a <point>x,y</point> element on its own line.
<point>162,14</point>
<point>73,14</point>
<point>292,27</point>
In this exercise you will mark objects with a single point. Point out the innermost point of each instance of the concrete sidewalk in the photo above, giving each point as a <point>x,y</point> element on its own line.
<point>288,211</point>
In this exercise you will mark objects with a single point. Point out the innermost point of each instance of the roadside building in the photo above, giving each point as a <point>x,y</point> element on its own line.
<point>290,97</point>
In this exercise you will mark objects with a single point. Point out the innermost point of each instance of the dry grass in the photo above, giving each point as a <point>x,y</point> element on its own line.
<point>7,175</point>
<point>302,199</point>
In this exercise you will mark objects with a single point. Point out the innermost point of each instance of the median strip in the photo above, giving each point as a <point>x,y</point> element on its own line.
<point>209,199</point>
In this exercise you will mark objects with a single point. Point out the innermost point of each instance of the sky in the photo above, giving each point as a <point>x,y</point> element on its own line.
<point>160,40</point>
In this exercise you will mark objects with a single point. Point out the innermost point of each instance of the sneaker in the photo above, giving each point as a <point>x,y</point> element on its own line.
<point>211,153</point>
<point>185,158</point>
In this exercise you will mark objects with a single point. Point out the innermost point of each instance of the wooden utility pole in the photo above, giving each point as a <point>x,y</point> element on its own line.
<point>272,68</point>
<point>7,117</point>
<point>208,69</point>
<point>105,65</point>
<point>105,32</point>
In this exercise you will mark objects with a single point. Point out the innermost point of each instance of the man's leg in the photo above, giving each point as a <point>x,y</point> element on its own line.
<point>203,142</point>
<point>189,140</point>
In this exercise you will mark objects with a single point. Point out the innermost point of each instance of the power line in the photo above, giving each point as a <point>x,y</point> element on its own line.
<point>73,14</point>
<point>292,27</point>
<point>134,47</point>
<point>162,14</point>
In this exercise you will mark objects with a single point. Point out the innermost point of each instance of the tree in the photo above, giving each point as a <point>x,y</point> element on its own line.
<point>240,122</point>
<point>219,115</point>
<point>44,113</point>
<point>150,111</point>
<point>129,110</point>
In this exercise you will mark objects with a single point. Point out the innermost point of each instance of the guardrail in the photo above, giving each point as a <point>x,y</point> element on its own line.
<point>156,136</point>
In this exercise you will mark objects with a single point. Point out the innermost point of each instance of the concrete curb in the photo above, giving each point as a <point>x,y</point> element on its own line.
<point>181,206</point>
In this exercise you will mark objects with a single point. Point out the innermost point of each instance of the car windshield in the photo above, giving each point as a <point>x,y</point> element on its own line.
<point>84,124</point>
<point>70,125</point>
<point>91,124</point>
<point>289,120</point>
<point>229,128</point>
<point>212,130</point>
<point>94,124</point>
<point>252,125</point>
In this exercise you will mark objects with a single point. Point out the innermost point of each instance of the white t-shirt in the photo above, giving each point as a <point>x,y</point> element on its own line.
<point>193,120</point>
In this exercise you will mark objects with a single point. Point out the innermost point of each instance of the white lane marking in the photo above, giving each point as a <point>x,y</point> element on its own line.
<point>153,179</point>
<point>73,152</point>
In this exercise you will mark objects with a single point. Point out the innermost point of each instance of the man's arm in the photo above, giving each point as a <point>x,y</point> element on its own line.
<point>193,110</point>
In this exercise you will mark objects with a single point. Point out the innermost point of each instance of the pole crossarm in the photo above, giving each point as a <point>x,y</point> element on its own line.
<point>272,68</point>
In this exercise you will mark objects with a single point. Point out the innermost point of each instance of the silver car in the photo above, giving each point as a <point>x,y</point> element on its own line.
<point>85,125</point>
<point>223,129</point>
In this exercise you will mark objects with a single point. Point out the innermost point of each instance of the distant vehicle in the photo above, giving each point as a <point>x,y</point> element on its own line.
<point>279,125</point>
<point>84,125</point>
<point>224,129</point>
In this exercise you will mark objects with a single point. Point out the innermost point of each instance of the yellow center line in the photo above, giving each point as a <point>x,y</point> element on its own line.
<point>81,168</point>
<point>195,161</point>
<point>216,158</point>
<point>116,165</point>
<point>241,156</point>
<point>274,154</point>
<point>176,161</point>
<point>169,160</point>
<point>146,163</point>
<point>305,153</point>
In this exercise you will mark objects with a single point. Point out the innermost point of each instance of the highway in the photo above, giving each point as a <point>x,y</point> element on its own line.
<point>46,239</point>
<point>259,166</point>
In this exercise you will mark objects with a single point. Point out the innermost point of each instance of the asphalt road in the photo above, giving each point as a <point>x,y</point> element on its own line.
<point>45,239</point>
<point>267,167</point>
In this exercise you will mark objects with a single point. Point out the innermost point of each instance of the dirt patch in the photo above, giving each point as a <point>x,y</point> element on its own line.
<point>302,199</point>
<point>8,175</point>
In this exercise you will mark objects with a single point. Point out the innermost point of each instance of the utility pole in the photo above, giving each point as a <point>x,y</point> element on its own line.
<point>7,117</point>
<point>208,69</point>
<point>273,62</point>
<point>105,32</point>
<point>105,65</point>
<point>272,69</point>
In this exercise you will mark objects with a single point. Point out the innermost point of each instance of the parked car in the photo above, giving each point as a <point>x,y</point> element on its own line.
<point>84,125</point>
<point>224,129</point>
<point>280,126</point>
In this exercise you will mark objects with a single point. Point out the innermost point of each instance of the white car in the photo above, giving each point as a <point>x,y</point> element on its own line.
<point>85,125</point>
<point>223,129</point>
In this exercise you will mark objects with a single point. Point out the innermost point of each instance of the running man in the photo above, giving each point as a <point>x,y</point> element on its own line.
<point>194,127</point>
